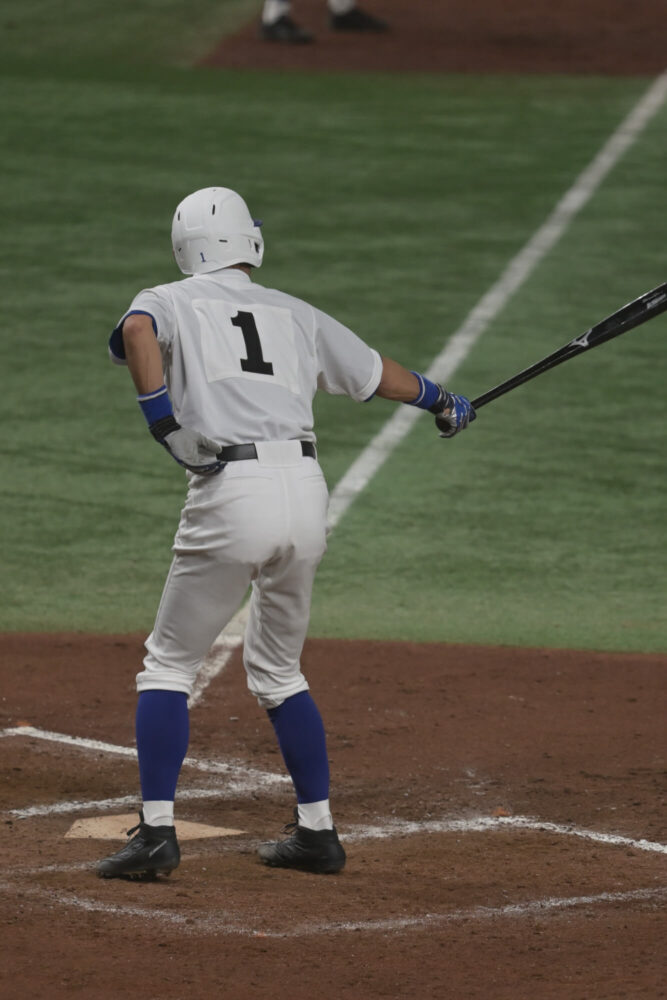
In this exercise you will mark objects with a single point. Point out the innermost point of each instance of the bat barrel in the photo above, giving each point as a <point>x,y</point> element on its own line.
<point>633,314</point>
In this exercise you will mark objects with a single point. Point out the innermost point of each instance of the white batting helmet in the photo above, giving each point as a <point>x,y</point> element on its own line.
<point>213,228</point>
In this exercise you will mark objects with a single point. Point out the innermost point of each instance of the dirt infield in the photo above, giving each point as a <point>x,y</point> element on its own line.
<point>447,36</point>
<point>502,811</point>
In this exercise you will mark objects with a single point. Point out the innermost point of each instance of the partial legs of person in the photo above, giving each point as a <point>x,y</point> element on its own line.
<point>279,26</point>
<point>197,602</point>
<point>344,15</point>
<point>274,640</point>
<point>266,523</point>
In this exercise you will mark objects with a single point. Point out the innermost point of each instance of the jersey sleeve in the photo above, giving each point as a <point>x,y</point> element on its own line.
<point>346,364</point>
<point>153,302</point>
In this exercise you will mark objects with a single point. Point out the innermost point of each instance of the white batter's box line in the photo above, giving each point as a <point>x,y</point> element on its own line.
<point>571,830</point>
<point>398,828</point>
<point>55,869</point>
<point>231,789</point>
<point>358,833</point>
<point>246,776</point>
<point>95,906</point>
<point>531,908</point>
<point>226,923</point>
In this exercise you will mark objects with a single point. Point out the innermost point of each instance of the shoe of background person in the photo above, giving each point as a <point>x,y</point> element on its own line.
<point>318,851</point>
<point>154,850</point>
<point>285,30</point>
<point>358,20</point>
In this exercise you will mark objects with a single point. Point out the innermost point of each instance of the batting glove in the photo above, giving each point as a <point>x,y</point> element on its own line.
<point>187,447</point>
<point>192,450</point>
<point>452,413</point>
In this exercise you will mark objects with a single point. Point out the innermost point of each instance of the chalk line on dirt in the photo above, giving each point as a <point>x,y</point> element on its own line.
<point>360,832</point>
<point>227,923</point>
<point>402,828</point>
<point>248,778</point>
<point>231,789</point>
<point>532,908</point>
<point>459,345</point>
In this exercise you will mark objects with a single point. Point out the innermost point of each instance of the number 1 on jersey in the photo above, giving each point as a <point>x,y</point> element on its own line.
<point>255,362</point>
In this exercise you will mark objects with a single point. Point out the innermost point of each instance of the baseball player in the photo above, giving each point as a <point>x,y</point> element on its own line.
<point>226,371</point>
<point>344,15</point>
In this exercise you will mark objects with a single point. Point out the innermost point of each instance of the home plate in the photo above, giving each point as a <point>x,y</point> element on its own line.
<point>116,827</point>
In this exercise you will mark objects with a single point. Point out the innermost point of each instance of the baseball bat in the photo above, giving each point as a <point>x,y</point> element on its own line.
<point>638,311</point>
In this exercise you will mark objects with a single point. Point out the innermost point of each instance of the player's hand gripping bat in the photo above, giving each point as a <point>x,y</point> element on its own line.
<point>638,311</point>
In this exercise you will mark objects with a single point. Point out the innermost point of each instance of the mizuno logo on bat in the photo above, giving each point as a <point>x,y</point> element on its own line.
<point>582,341</point>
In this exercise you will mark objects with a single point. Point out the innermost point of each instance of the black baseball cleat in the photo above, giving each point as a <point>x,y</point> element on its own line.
<point>357,19</point>
<point>153,851</point>
<point>318,851</point>
<point>285,30</point>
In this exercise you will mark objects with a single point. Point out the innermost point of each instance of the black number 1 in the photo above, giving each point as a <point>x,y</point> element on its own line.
<point>255,361</point>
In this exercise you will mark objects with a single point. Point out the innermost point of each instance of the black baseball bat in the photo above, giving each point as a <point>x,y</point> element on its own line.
<point>638,311</point>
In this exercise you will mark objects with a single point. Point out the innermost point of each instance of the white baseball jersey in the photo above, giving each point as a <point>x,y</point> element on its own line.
<point>243,362</point>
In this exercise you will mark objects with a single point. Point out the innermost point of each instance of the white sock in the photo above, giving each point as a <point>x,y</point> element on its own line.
<point>341,6</point>
<point>315,815</point>
<point>273,9</point>
<point>158,813</point>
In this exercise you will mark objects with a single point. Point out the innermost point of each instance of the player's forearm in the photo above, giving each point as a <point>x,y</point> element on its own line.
<point>397,382</point>
<point>452,413</point>
<point>144,359</point>
<point>142,352</point>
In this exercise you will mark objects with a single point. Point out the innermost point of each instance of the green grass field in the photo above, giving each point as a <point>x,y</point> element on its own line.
<point>393,203</point>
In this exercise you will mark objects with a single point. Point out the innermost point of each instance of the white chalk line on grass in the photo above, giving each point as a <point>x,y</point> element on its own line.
<point>247,778</point>
<point>223,922</point>
<point>461,343</point>
<point>494,301</point>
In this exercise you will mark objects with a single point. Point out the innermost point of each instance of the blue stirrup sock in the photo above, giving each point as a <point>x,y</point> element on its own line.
<point>162,731</point>
<point>300,732</point>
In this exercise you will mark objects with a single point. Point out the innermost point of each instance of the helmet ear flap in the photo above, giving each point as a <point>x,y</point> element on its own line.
<point>211,229</point>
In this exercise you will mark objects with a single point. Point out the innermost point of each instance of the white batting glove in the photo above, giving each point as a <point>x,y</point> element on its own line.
<point>192,450</point>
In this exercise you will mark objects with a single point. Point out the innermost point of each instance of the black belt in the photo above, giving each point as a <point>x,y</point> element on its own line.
<point>241,452</point>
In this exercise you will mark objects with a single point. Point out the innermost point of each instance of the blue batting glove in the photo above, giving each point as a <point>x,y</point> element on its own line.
<point>452,413</point>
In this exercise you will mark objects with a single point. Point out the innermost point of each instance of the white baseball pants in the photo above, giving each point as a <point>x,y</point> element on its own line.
<point>260,522</point>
